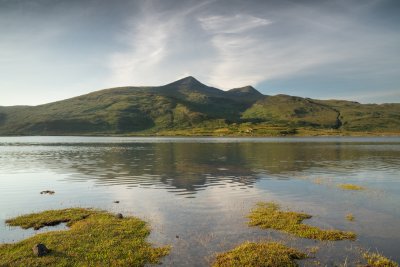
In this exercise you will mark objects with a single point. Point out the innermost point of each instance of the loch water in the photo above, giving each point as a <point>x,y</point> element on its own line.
<point>195,193</point>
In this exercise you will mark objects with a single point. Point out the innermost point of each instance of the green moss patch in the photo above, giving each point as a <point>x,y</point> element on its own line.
<point>270,216</point>
<point>350,217</point>
<point>266,254</point>
<point>351,187</point>
<point>95,238</point>
<point>376,259</point>
<point>50,218</point>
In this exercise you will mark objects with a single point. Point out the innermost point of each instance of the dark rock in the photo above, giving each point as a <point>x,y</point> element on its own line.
<point>116,201</point>
<point>47,192</point>
<point>119,216</point>
<point>177,236</point>
<point>40,250</point>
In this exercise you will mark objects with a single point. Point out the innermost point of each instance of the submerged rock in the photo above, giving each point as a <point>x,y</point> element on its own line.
<point>47,192</point>
<point>40,250</point>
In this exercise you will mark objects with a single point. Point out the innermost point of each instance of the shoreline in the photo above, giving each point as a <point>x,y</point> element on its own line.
<point>336,134</point>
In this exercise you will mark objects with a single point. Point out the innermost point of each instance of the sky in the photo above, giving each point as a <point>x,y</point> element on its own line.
<point>342,49</point>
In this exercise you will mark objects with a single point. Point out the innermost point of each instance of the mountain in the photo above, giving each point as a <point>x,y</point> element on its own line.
<point>245,94</point>
<point>187,107</point>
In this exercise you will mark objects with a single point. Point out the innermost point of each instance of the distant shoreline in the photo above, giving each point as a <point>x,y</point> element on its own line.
<point>336,134</point>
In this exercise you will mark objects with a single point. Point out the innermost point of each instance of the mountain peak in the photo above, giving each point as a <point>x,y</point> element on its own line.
<point>247,93</point>
<point>190,84</point>
<point>246,90</point>
<point>189,80</point>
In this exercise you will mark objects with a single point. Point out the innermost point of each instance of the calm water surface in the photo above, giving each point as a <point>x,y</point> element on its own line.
<point>201,189</point>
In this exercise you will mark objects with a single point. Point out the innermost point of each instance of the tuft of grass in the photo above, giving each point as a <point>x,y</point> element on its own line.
<point>95,238</point>
<point>313,250</point>
<point>268,215</point>
<point>318,181</point>
<point>376,259</point>
<point>265,254</point>
<point>50,218</point>
<point>351,187</point>
<point>350,217</point>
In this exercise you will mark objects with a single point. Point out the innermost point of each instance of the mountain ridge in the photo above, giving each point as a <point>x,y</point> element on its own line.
<point>187,104</point>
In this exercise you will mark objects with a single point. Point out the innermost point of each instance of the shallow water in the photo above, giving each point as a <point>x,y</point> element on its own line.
<point>196,192</point>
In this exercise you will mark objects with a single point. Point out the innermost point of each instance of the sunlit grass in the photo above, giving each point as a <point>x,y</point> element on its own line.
<point>269,216</point>
<point>50,218</point>
<point>351,187</point>
<point>265,254</point>
<point>350,217</point>
<point>95,238</point>
<point>376,259</point>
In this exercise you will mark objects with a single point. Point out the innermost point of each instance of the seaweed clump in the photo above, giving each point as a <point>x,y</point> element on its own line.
<point>268,215</point>
<point>376,259</point>
<point>265,254</point>
<point>353,187</point>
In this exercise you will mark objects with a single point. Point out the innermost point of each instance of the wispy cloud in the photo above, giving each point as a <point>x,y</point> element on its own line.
<point>244,60</point>
<point>159,48</point>
<point>373,96</point>
<point>147,46</point>
<point>229,50</point>
<point>292,42</point>
<point>248,52</point>
<point>232,24</point>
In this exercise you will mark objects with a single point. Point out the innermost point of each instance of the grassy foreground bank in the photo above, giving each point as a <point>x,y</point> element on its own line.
<point>95,238</point>
<point>99,238</point>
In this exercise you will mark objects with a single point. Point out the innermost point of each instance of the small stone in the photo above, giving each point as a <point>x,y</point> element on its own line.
<point>177,236</point>
<point>119,216</point>
<point>47,192</point>
<point>40,250</point>
<point>117,201</point>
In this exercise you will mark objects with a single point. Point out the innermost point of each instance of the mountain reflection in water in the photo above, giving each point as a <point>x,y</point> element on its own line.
<point>193,166</point>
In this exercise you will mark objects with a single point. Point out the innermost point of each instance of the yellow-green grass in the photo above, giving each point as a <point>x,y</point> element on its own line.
<point>256,130</point>
<point>50,218</point>
<point>268,215</point>
<point>351,187</point>
<point>376,259</point>
<point>95,238</point>
<point>350,217</point>
<point>265,254</point>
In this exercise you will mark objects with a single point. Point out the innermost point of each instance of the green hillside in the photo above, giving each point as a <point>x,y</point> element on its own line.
<point>366,117</point>
<point>295,111</point>
<point>187,107</point>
